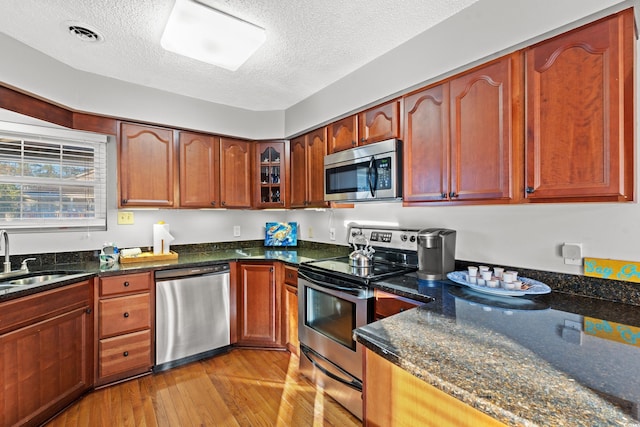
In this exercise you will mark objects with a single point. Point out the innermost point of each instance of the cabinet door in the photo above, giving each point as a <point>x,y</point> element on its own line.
<point>147,168</point>
<point>199,174</point>
<point>271,162</point>
<point>44,367</point>
<point>481,126</point>
<point>343,134</point>
<point>580,113</point>
<point>426,145</point>
<point>379,123</point>
<point>298,147</point>
<point>291,307</point>
<point>260,310</point>
<point>316,150</point>
<point>235,173</point>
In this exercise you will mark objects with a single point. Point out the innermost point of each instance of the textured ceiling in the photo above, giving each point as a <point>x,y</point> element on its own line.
<point>310,44</point>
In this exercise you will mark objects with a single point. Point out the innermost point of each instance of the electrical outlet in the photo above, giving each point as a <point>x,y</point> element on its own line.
<point>236,231</point>
<point>332,233</point>
<point>125,218</point>
<point>310,234</point>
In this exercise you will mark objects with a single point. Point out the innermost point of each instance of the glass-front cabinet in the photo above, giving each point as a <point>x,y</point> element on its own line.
<point>272,161</point>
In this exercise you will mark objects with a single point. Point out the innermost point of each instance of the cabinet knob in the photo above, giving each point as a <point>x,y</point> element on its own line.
<point>530,190</point>
<point>88,311</point>
<point>125,354</point>
<point>363,140</point>
<point>124,201</point>
<point>213,203</point>
<point>353,143</point>
<point>126,314</point>
<point>126,284</point>
<point>223,203</point>
<point>453,194</point>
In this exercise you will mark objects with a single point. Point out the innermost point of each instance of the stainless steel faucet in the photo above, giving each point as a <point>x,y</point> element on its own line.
<point>7,262</point>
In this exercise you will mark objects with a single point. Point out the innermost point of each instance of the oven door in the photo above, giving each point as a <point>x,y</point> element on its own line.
<point>328,313</point>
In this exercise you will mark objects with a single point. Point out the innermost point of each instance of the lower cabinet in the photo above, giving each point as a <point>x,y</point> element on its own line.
<point>259,304</point>
<point>46,350</point>
<point>387,304</point>
<point>124,327</point>
<point>291,308</point>
<point>394,397</point>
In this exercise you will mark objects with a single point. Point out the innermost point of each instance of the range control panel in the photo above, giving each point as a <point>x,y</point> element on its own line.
<point>400,238</point>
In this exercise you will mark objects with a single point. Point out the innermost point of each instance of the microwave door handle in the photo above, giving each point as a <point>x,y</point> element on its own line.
<point>372,176</point>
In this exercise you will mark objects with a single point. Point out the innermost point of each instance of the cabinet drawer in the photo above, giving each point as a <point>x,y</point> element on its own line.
<point>389,304</point>
<point>124,353</point>
<point>290,275</point>
<point>124,314</point>
<point>116,285</point>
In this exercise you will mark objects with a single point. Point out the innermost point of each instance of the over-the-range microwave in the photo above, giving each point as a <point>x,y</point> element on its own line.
<point>369,173</point>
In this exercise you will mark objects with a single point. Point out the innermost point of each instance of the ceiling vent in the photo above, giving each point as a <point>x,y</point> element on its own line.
<point>84,33</point>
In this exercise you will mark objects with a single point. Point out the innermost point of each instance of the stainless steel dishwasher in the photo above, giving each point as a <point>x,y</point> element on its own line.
<point>192,314</point>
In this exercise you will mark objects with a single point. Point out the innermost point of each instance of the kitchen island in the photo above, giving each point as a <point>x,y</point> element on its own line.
<point>555,359</point>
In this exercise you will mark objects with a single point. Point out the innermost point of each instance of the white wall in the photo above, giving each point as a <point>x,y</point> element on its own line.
<point>524,236</point>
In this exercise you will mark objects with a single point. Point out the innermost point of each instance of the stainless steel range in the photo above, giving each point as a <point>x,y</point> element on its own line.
<point>335,298</point>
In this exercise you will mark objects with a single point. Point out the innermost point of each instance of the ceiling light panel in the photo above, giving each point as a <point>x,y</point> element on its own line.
<point>200,32</point>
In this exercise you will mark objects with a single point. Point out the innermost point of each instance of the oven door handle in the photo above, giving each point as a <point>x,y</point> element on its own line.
<point>348,290</point>
<point>351,381</point>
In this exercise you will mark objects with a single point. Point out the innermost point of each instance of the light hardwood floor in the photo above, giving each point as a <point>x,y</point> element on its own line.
<point>240,388</point>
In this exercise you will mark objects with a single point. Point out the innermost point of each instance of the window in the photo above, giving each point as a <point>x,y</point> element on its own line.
<point>51,179</point>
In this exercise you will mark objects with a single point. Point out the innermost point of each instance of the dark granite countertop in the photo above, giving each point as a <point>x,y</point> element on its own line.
<point>82,270</point>
<point>555,359</point>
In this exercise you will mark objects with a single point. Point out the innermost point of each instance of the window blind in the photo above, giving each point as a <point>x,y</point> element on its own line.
<point>52,182</point>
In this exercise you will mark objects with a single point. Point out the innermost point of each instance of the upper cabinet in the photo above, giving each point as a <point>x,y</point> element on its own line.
<point>373,125</point>
<point>579,88</point>
<point>235,173</point>
<point>199,170</point>
<point>379,123</point>
<point>147,168</point>
<point>459,136</point>
<point>271,184</point>
<point>307,169</point>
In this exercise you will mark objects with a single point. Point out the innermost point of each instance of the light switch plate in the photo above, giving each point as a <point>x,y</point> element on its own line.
<point>236,231</point>
<point>125,218</point>
<point>572,253</point>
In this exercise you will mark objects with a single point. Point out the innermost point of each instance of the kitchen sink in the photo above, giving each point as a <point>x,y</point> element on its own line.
<point>35,280</point>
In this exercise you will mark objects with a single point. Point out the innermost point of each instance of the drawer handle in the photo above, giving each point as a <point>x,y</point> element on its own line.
<point>126,314</point>
<point>126,284</point>
<point>125,354</point>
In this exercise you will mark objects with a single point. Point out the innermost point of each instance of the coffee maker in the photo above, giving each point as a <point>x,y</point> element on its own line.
<point>436,253</point>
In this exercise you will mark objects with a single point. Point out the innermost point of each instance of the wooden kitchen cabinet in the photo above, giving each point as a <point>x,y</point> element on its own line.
<point>579,87</point>
<point>291,308</point>
<point>373,125</point>
<point>460,137</point>
<point>271,179</point>
<point>387,304</point>
<point>125,307</point>
<point>394,397</point>
<point>147,168</point>
<point>199,170</point>
<point>343,134</point>
<point>235,173</point>
<point>307,169</point>
<point>379,123</point>
<point>259,299</point>
<point>46,350</point>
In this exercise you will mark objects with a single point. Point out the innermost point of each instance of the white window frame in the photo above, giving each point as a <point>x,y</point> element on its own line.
<point>98,183</point>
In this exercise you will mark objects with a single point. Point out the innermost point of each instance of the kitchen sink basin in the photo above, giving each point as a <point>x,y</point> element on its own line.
<point>35,280</point>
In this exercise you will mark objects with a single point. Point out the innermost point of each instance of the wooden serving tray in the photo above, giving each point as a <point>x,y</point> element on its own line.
<point>148,257</point>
